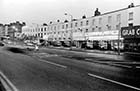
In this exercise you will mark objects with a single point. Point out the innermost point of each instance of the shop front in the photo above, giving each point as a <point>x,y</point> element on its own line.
<point>131,37</point>
<point>106,40</point>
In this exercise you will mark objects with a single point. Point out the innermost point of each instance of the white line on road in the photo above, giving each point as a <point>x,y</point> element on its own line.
<point>63,66</point>
<point>138,67</point>
<point>109,80</point>
<point>5,81</point>
<point>121,65</point>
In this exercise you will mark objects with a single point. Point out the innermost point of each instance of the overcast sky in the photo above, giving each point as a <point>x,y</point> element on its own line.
<point>43,11</point>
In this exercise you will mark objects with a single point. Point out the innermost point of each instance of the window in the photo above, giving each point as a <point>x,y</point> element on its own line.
<point>93,22</point>
<point>109,27</point>
<point>58,27</point>
<point>86,30</point>
<point>66,25</point>
<point>100,29</point>
<point>54,27</point>
<point>87,22</point>
<point>109,19</point>
<point>118,17</point>
<point>81,23</point>
<point>62,26</point>
<point>45,29</point>
<point>76,24</point>
<point>71,25</point>
<point>131,16</point>
<point>118,27</point>
<point>100,20</point>
<point>93,29</point>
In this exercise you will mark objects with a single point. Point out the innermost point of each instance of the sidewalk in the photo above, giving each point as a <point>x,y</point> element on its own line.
<point>89,50</point>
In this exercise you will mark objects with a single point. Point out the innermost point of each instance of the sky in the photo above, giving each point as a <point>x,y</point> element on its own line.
<point>34,12</point>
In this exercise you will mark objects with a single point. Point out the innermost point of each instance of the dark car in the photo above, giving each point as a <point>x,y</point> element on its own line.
<point>1,44</point>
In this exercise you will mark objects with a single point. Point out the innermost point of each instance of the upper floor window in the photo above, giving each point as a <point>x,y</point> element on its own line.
<point>81,23</point>
<point>93,22</point>
<point>100,29</point>
<point>100,20</point>
<point>58,27</point>
<point>109,19</point>
<point>76,24</point>
<point>54,27</point>
<point>62,26</point>
<point>66,25</point>
<point>87,22</point>
<point>93,29</point>
<point>86,30</point>
<point>131,16</point>
<point>71,25</point>
<point>45,29</point>
<point>41,29</point>
<point>118,17</point>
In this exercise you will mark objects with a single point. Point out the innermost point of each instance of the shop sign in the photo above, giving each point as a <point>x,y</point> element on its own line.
<point>130,32</point>
<point>105,33</point>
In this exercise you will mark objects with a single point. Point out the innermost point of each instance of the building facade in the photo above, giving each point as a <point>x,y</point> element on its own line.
<point>99,32</point>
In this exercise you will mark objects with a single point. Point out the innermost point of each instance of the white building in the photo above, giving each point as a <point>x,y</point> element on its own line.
<point>104,28</point>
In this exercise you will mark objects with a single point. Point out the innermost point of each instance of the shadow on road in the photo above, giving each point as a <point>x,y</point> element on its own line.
<point>16,50</point>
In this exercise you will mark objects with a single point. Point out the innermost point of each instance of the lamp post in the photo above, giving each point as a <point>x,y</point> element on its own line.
<point>71,34</point>
<point>119,34</point>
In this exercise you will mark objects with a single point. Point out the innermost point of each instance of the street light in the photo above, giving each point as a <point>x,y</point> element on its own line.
<point>119,35</point>
<point>71,35</point>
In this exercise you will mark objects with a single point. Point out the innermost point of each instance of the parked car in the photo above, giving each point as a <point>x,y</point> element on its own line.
<point>57,43</point>
<point>1,43</point>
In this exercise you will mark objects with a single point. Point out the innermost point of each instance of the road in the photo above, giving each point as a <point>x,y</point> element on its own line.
<point>56,70</point>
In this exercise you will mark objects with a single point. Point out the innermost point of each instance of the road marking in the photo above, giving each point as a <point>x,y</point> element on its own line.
<point>59,65</point>
<point>110,63</point>
<point>138,67</point>
<point>121,65</point>
<point>5,81</point>
<point>109,80</point>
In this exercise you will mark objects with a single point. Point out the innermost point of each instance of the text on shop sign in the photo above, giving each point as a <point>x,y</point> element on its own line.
<point>130,32</point>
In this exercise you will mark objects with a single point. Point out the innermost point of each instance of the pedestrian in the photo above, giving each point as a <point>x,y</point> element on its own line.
<point>36,48</point>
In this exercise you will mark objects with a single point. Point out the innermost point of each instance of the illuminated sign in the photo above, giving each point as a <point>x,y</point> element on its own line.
<point>130,32</point>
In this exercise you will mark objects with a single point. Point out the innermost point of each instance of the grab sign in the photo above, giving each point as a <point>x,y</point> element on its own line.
<point>130,32</point>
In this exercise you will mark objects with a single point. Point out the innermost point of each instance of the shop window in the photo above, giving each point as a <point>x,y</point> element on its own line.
<point>130,24</point>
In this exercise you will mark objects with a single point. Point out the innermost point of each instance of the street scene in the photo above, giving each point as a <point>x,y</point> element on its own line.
<point>95,52</point>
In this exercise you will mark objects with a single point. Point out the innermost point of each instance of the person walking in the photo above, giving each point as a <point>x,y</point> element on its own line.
<point>36,48</point>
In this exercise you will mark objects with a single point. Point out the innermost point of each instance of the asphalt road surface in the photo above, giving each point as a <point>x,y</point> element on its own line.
<point>56,70</point>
